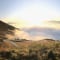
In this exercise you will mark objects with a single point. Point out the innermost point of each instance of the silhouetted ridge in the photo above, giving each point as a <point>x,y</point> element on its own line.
<point>4,26</point>
<point>6,29</point>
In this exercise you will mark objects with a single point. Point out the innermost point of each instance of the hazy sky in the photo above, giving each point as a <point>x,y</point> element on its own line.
<point>32,15</point>
<point>25,13</point>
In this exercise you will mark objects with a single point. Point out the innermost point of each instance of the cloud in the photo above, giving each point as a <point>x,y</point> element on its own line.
<point>21,34</point>
<point>52,24</point>
<point>38,33</point>
<point>55,22</point>
<point>18,34</point>
<point>44,32</point>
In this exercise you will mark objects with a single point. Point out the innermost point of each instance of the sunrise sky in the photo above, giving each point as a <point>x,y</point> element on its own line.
<point>30,15</point>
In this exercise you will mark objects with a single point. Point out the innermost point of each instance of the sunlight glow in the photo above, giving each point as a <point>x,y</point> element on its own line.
<point>19,23</point>
<point>32,14</point>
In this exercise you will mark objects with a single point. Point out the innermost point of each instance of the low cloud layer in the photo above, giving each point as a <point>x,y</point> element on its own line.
<point>45,32</point>
<point>38,33</point>
<point>54,22</point>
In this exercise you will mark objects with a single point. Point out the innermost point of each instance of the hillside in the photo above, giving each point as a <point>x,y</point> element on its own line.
<point>27,49</point>
<point>22,49</point>
<point>6,29</point>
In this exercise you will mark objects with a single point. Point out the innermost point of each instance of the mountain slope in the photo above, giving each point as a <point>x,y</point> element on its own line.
<point>6,32</point>
<point>6,29</point>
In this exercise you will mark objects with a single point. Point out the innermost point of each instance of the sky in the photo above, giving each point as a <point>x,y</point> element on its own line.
<point>32,15</point>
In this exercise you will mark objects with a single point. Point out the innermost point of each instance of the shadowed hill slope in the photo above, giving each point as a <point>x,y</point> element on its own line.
<point>4,26</point>
<point>6,29</point>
